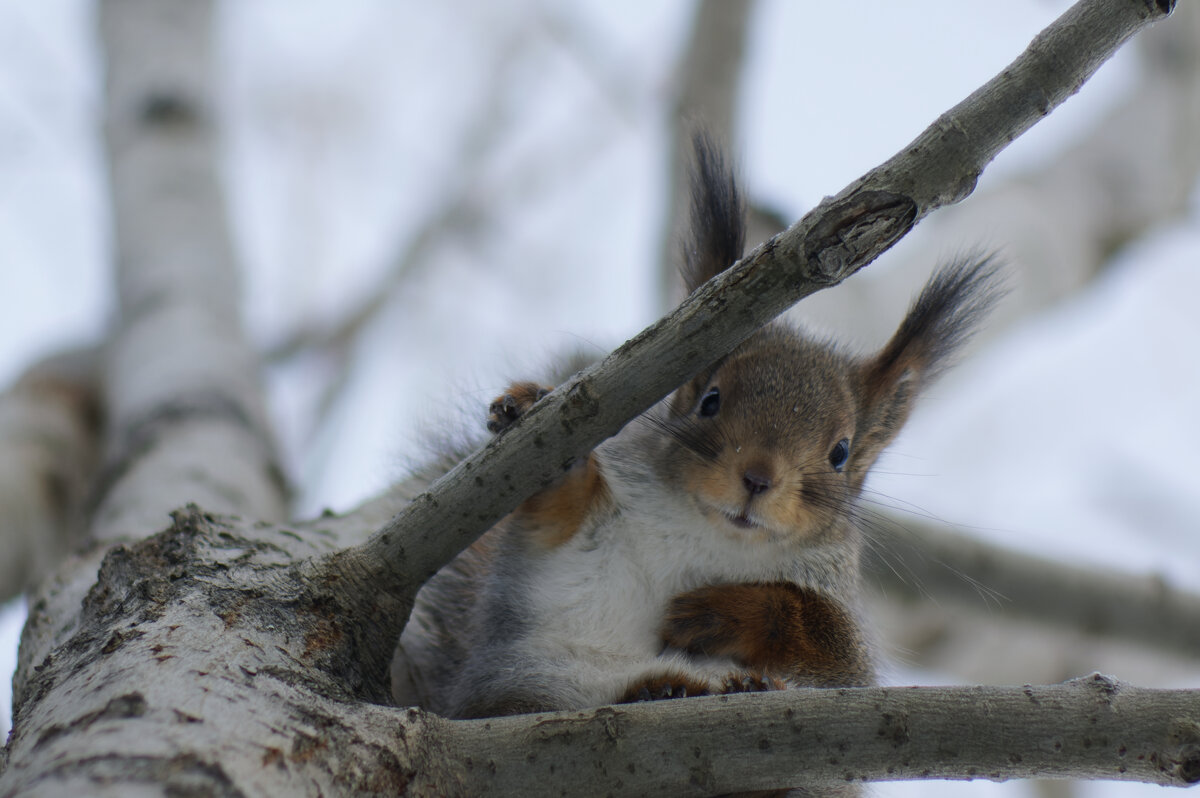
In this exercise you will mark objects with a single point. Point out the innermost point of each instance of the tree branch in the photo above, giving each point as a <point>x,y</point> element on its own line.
<point>824,247</point>
<point>1091,727</point>
<point>1059,224</point>
<point>1140,608</point>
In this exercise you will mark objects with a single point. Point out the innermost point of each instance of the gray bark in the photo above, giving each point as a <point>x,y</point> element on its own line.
<point>935,562</point>
<point>230,655</point>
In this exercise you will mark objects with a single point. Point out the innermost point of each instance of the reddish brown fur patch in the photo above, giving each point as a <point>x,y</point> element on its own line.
<point>552,515</point>
<point>555,514</point>
<point>777,628</point>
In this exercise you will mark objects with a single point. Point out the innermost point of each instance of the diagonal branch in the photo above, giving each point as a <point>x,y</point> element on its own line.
<point>840,236</point>
<point>1061,222</point>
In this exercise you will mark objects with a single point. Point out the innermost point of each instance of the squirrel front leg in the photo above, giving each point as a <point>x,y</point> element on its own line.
<point>554,514</point>
<point>777,628</point>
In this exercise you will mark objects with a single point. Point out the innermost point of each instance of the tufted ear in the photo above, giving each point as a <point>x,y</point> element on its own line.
<point>939,322</point>
<point>717,220</point>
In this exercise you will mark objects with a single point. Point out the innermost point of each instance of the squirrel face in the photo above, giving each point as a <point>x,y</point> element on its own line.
<point>764,441</point>
<point>774,441</point>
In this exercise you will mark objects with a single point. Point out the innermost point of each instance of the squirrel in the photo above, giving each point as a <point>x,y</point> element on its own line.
<point>711,545</point>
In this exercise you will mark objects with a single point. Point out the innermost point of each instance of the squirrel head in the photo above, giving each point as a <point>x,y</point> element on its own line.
<point>776,439</point>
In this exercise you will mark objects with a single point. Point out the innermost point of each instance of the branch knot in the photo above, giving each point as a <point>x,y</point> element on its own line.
<point>854,231</point>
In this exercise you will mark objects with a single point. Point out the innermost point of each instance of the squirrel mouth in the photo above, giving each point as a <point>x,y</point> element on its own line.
<point>740,520</point>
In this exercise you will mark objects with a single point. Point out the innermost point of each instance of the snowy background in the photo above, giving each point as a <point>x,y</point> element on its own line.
<point>531,135</point>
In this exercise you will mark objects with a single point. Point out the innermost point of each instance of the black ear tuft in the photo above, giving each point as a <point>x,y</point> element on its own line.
<point>943,317</point>
<point>718,216</point>
<point>939,322</point>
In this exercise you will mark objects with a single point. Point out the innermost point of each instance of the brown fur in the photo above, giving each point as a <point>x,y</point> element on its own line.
<point>664,685</point>
<point>777,628</point>
<point>554,514</point>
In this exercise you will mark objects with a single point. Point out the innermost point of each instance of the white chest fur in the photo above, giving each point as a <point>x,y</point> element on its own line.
<point>606,590</point>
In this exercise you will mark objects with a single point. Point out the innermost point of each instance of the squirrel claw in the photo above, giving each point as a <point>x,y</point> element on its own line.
<point>662,687</point>
<point>750,682</point>
<point>508,407</point>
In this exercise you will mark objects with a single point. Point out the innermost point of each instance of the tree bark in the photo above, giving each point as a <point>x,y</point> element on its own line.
<point>185,411</point>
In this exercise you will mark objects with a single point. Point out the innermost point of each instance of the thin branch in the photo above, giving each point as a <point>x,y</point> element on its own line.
<point>830,243</point>
<point>1092,727</point>
<point>1060,224</point>
<point>1129,606</point>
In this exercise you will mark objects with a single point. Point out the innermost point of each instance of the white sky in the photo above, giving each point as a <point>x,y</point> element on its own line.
<point>1074,434</point>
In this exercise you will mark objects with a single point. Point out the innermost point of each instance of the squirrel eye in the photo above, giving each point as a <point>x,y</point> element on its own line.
<point>840,454</point>
<point>711,403</point>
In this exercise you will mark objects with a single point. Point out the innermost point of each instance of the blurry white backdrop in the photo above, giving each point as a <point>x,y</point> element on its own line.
<point>351,126</point>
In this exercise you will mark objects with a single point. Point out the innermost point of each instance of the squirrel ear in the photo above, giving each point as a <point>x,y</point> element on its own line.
<point>939,322</point>
<point>717,221</point>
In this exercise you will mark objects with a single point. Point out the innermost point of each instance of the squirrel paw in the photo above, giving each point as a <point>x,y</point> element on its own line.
<point>513,404</point>
<point>661,686</point>
<point>717,620</point>
<point>774,627</point>
<point>750,682</point>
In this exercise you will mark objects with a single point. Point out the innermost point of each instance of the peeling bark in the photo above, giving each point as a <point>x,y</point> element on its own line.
<point>198,664</point>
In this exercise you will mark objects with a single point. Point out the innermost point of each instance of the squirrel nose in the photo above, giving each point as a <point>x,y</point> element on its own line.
<point>756,481</point>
